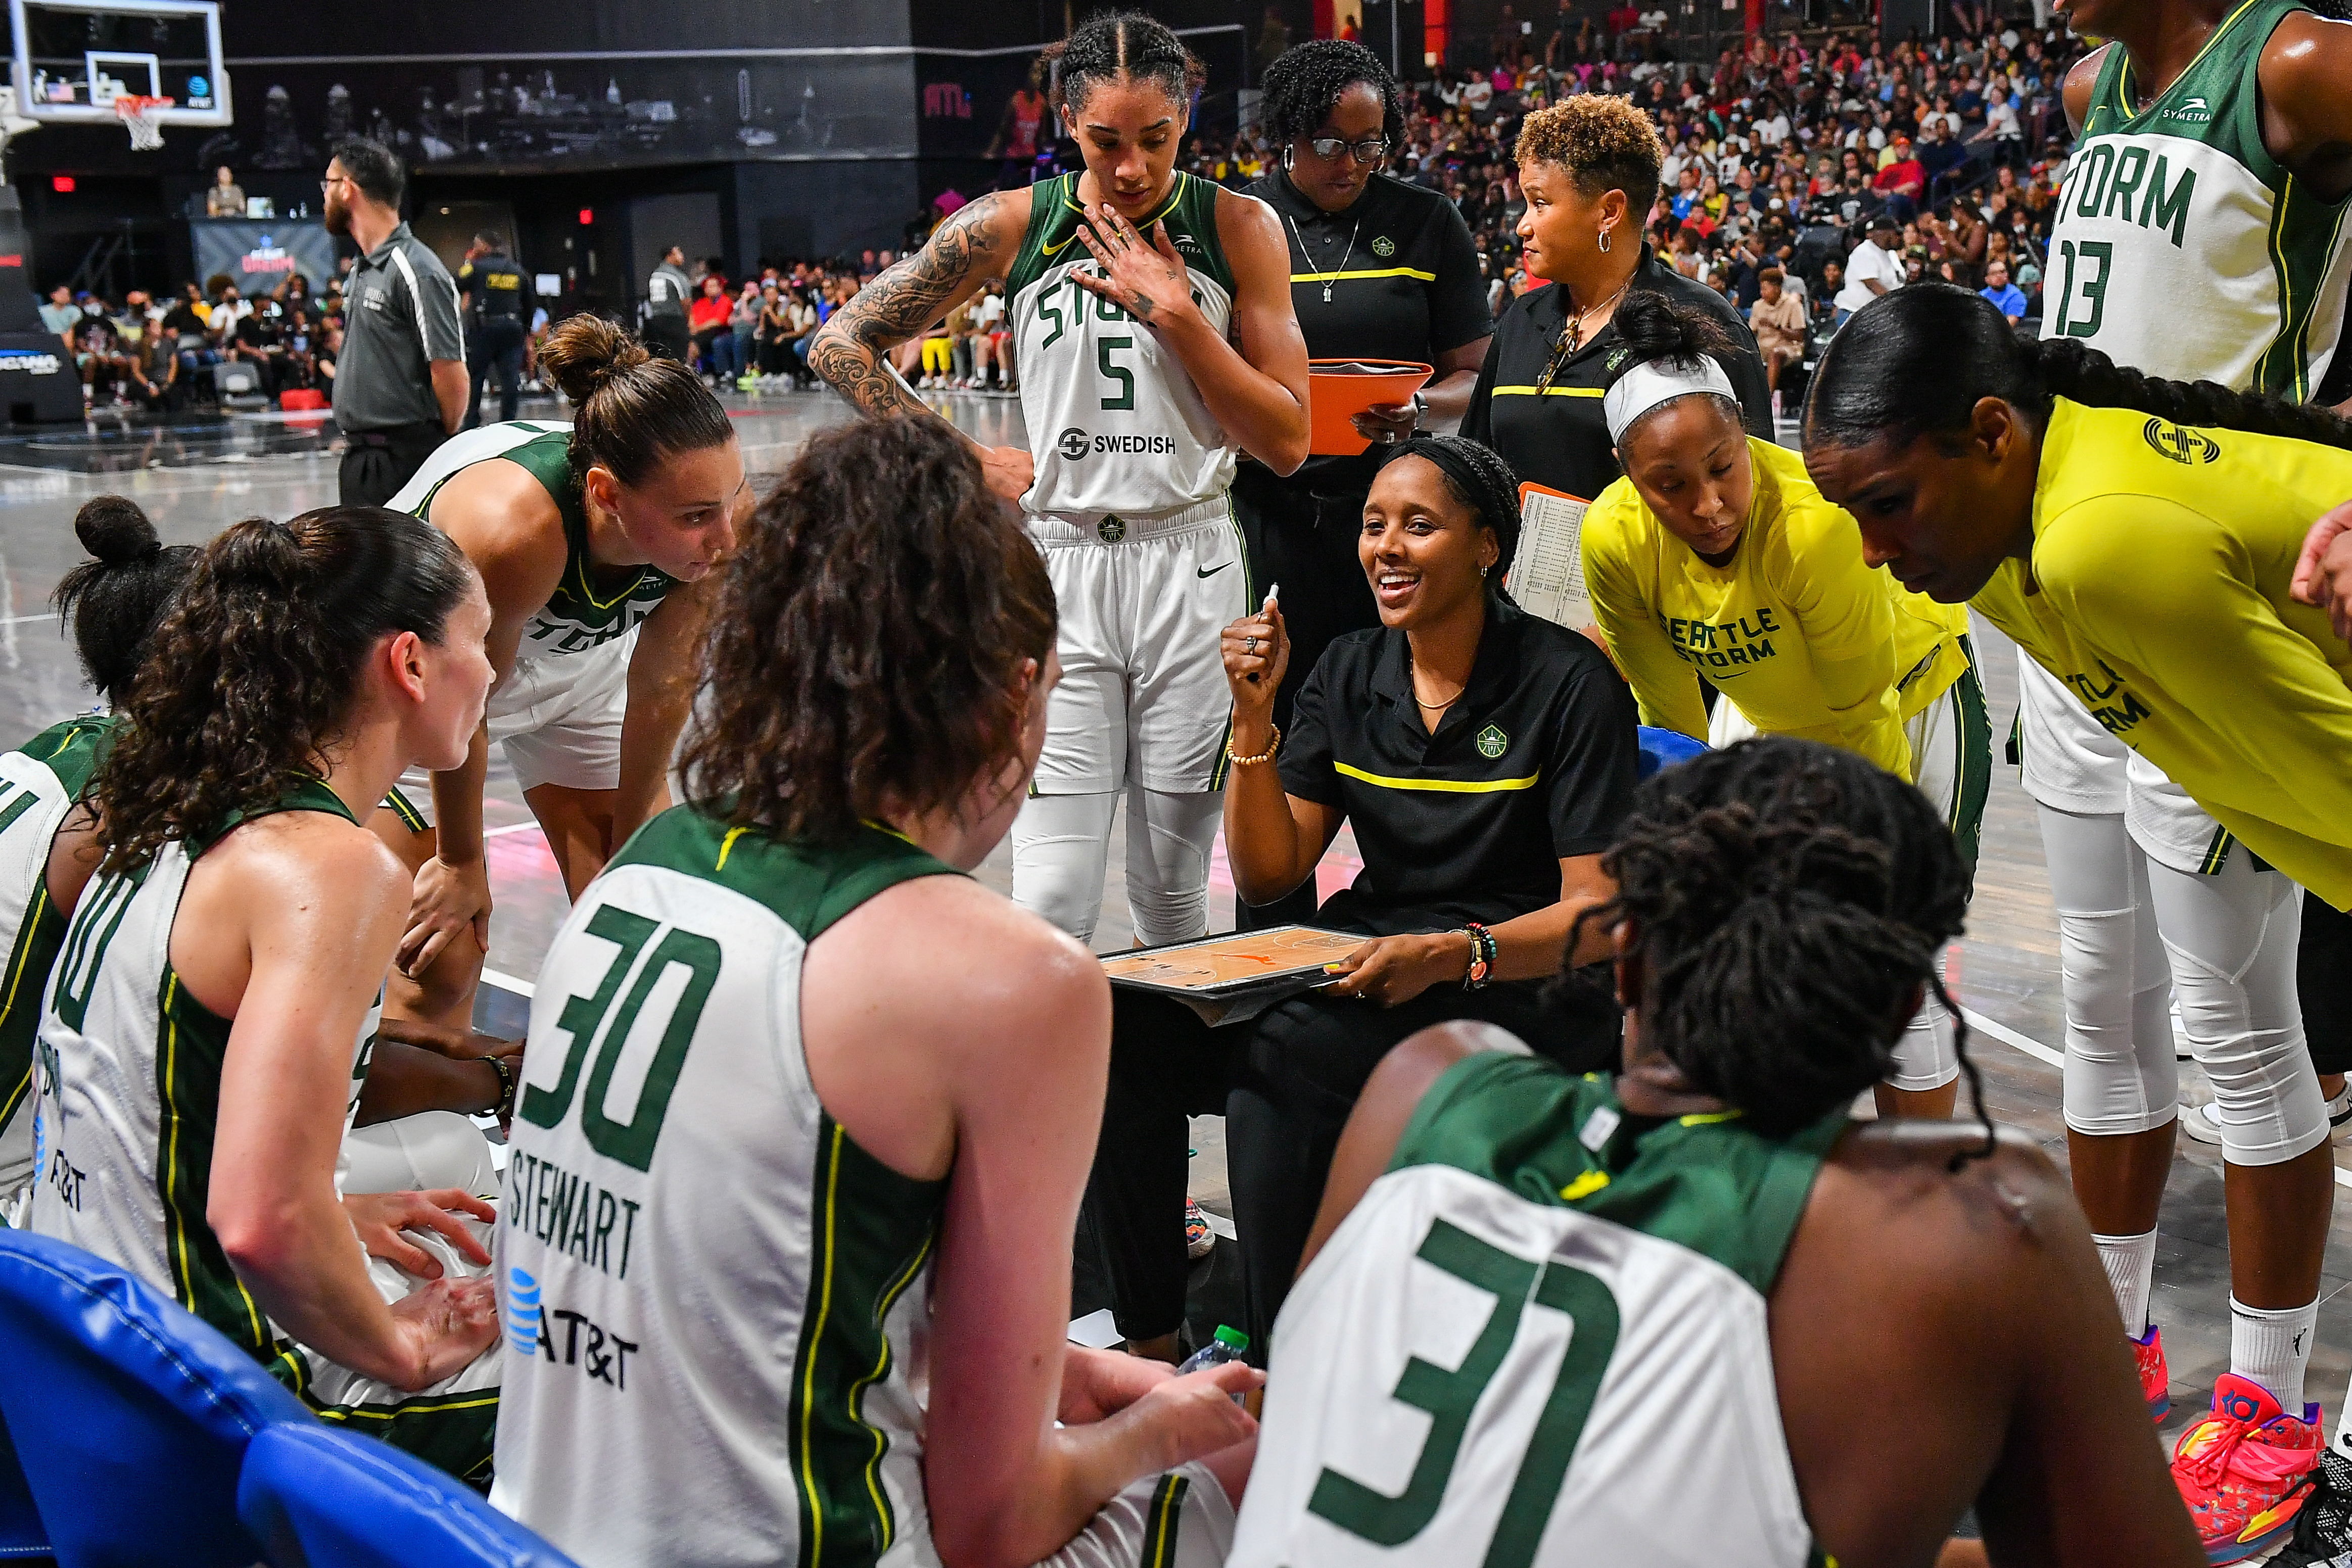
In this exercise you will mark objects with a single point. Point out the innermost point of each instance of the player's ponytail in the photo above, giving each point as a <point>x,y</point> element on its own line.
<point>253,670</point>
<point>631,410</point>
<point>1784,900</point>
<point>1918,361</point>
<point>111,601</point>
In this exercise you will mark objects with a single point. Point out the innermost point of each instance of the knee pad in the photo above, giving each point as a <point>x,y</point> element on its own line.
<point>2120,1075</point>
<point>2232,940</point>
<point>1169,839</point>
<point>1061,844</point>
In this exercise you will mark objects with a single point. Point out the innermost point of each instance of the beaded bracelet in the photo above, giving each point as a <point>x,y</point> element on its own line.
<point>1482,957</point>
<point>1266,756</point>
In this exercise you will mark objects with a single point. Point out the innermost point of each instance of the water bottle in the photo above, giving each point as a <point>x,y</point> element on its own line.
<point>1228,1346</point>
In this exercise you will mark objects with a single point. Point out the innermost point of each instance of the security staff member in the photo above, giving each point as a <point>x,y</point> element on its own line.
<point>1484,758</point>
<point>1588,169</point>
<point>666,293</point>
<point>1379,270</point>
<point>400,382</point>
<point>496,323</point>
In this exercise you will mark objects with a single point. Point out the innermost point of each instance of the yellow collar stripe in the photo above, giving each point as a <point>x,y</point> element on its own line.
<point>1551,392</point>
<point>1445,785</point>
<point>1363,271</point>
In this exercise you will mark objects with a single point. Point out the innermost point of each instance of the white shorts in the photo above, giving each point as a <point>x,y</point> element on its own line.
<point>1143,602</point>
<point>1180,1519</point>
<point>2072,764</point>
<point>559,717</point>
<point>424,1152</point>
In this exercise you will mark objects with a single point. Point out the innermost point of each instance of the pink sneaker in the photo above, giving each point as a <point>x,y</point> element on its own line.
<point>2245,1470</point>
<point>2155,1377</point>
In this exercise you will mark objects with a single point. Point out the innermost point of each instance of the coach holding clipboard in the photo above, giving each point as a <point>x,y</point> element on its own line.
<point>1588,169</point>
<point>1380,270</point>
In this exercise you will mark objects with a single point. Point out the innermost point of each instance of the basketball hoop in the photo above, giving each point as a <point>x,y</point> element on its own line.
<point>142,116</point>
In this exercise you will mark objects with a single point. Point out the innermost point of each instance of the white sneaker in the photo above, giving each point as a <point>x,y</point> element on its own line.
<point>2202,1124</point>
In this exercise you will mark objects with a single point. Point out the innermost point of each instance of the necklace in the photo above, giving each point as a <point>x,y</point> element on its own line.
<point>1438,707</point>
<point>1324,277</point>
<point>1572,337</point>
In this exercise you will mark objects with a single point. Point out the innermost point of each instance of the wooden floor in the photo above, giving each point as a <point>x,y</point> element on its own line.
<point>196,480</point>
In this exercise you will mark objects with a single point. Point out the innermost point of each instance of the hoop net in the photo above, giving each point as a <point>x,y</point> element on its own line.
<point>140,117</point>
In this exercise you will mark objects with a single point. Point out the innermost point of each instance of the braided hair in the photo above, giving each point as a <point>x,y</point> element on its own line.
<point>1784,898</point>
<point>1476,476</point>
<point>1112,44</point>
<point>1303,86</point>
<point>111,601</point>
<point>1918,361</point>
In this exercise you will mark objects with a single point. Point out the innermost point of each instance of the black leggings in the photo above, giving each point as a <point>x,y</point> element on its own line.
<point>2322,983</point>
<point>1286,1082</point>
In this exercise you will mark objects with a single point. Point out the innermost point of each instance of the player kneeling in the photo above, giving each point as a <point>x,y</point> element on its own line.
<point>785,1266</point>
<point>1694,1316</point>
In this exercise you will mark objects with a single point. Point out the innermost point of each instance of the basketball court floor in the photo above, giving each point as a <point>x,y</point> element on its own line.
<point>195,477</point>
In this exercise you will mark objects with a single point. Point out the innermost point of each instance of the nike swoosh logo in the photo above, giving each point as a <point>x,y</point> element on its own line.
<point>1050,249</point>
<point>1212,571</point>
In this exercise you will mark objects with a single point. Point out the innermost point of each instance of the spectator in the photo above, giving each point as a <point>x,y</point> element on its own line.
<point>1872,269</point>
<point>743,324</point>
<point>226,197</point>
<point>1901,180</point>
<point>1778,319</point>
<point>710,321</point>
<point>2006,296</point>
<point>61,315</point>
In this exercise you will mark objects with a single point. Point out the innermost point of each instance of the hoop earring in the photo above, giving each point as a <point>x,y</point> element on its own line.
<point>1286,156</point>
<point>1604,242</point>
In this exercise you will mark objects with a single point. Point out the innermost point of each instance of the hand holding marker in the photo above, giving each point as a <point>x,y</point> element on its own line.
<point>1273,594</point>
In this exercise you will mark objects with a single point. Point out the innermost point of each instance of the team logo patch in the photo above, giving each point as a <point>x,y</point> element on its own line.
<point>1384,246</point>
<point>1618,357</point>
<point>1073,444</point>
<point>1111,530</point>
<point>1493,742</point>
<point>2183,446</point>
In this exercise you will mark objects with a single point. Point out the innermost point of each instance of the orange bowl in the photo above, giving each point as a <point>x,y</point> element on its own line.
<point>1333,400</point>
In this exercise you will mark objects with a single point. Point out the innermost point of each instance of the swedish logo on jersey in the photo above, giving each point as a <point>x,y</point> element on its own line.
<point>2183,446</point>
<point>1073,444</point>
<point>1493,742</point>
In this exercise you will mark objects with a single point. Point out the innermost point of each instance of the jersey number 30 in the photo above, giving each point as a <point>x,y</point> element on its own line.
<point>1449,1397</point>
<point>591,1021</point>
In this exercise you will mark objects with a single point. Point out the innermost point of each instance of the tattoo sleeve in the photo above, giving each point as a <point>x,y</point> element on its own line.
<point>851,351</point>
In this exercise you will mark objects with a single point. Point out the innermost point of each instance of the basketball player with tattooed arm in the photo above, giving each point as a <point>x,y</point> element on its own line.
<point>1151,325</point>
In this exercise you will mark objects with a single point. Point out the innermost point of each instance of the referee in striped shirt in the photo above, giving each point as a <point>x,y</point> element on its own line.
<point>1380,269</point>
<point>401,385</point>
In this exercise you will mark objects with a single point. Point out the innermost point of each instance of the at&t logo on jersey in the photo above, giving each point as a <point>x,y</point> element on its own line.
<point>2183,446</point>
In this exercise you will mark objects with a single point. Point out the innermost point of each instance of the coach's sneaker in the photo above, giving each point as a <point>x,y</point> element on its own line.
<point>1199,1239</point>
<point>2246,1469</point>
<point>2155,1377</point>
<point>2323,1530</point>
<point>2201,1123</point>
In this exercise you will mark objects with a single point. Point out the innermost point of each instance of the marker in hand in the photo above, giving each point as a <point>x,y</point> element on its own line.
<point>1273,593</point>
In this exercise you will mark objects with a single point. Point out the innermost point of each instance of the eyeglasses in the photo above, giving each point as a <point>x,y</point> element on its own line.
<point>332,181</point>
<point>1371,150</point>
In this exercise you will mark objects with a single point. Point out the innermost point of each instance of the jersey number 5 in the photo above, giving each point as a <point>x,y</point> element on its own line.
<point>592,1022</point>
<point>1449,1397</point>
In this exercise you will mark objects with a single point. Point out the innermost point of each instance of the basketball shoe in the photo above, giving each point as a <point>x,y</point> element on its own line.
<point>2245,1470</point>
<point>2155,1377</point>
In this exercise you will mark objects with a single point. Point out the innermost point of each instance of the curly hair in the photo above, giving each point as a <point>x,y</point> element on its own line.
<point>252,672</point>
<point>113,600</point>
<point>1783,899</point>
<point>1601,141</point>
<point>1302,86</point>
<point>1919,361</point>
<point>1111,45</point>
<point>630,409</point>
<point>866,650</point>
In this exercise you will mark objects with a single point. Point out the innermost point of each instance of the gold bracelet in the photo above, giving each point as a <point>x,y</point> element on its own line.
<point>1266,756</point>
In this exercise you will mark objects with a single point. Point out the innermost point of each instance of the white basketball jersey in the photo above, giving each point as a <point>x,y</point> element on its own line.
<point>1115,424</point>
<point>714,1301</point>
<point>1472,1372</point>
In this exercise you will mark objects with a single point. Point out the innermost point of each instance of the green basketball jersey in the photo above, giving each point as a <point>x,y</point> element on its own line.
<point>580,614</point>
<point>2183,248</point>
<point>1115,423</point>
<point>40,782</point>
<point>714,1301</point>
<point>1532,1334</point>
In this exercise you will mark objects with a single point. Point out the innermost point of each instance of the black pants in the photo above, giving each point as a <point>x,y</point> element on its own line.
<point>2322,983</point>
<point>498,345</point>
<point>1286,1081</point>
<point>377,462</point>
<point>1307,543</point>
<point>666,335</point>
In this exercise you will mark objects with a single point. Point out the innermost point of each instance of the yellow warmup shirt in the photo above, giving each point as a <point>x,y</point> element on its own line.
<point>2158,593</point>
<point>1796,629</point>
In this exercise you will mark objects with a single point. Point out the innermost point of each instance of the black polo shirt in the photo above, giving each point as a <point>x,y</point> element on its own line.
<point>1534,764</point>
<point>1560,439</point>
<point>1404,283</point>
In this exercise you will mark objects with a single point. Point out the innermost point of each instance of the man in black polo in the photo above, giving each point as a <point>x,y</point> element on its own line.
<point>497,324</point>
<point>400,381</point>
<point>666,293</point>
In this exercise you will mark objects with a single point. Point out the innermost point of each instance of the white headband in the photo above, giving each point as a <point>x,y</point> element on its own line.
<point>1655,381</point>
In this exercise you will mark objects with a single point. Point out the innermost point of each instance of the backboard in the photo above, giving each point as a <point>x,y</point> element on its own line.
<point>74,58</point>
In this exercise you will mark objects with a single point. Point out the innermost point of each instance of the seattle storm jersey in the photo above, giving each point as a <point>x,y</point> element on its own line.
<point>1530,1337</point>
<point>715,1302</point>
<point>1116,424</point>
<point>576,616</point>
<point>2183,249</point>
<point>128,1080</point>
<point>40,782</point>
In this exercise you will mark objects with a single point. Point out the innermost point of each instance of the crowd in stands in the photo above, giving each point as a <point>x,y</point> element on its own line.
<point>156,353</point>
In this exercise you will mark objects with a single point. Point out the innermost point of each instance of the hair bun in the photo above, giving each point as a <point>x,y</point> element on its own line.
<point>116,530</point>
<point>587,352</point>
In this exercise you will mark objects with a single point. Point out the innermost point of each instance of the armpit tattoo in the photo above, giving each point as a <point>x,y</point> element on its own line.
<point>851,352</point>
